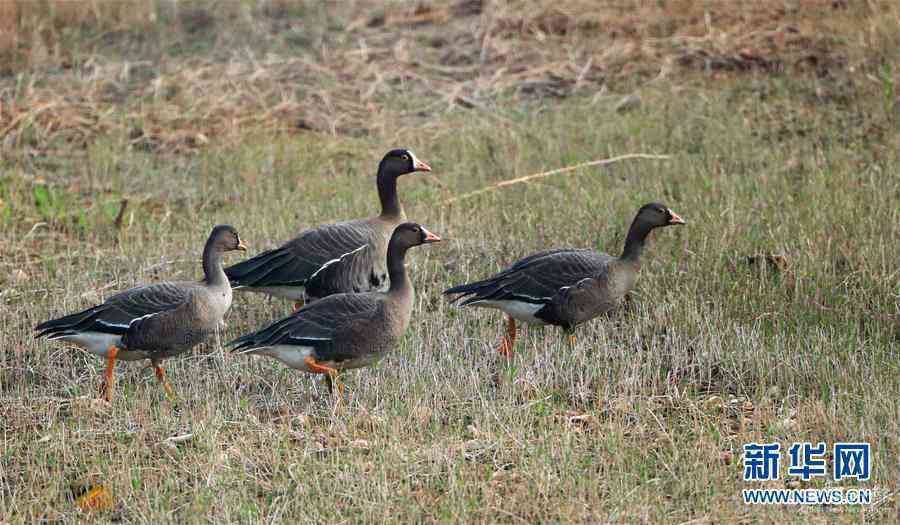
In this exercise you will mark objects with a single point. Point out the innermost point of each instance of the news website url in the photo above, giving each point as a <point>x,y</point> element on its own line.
<point>807,496</point>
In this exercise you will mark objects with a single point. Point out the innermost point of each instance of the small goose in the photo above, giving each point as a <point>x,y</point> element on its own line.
<point>154,321</point>
<point>333,258</point>
<point>565,287</point>
<point>348,330</point>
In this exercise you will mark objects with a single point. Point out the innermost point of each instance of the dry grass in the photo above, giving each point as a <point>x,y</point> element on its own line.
<point>289,67</point>
<point>772,316</point>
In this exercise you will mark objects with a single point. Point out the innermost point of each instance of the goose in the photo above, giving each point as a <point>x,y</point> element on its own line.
<point>347,330</point>
<point>153,321</point>
<point>333,258</point>
<point>566,286</point>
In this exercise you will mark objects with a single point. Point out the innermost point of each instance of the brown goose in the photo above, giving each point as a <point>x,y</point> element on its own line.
<point>334,258</point>
<point>345,330</point>
<point>155,321</point>
<point>565,287</point>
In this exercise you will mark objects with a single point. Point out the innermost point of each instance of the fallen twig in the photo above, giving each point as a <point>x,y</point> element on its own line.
<point>527,178</point>
<point>121,215</point>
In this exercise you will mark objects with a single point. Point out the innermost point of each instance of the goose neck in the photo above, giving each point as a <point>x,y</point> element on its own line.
<point>387,194</point>
<point>213,273</point>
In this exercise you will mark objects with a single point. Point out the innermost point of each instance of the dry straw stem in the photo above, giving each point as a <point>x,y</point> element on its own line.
<point>558,171</point>
<point>117,69</point>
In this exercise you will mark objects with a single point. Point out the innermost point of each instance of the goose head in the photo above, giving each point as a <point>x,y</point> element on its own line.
<point>399,162</point>
<point>656,215</point>
<point>224,238</point>
<point>410,234</point>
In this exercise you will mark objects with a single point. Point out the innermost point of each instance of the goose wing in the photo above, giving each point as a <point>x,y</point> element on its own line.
<point>307,256</point>
<point>316,325</point>
<point>537,278</point>
<point>116,314</point>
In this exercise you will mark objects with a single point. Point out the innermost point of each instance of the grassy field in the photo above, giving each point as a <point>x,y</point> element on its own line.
<point>772,316</point>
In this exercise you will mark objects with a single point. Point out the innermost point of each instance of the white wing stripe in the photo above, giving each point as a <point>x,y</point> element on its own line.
<point>115,325</point>
<point>538,299</point>
<point>140,319</point>
<point>334,261</point>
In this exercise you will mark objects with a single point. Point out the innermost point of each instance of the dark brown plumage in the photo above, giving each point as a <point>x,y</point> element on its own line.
<point>334,258</point>
<point>345,331</point>
<point>565,287</point>
<point>155,321</point>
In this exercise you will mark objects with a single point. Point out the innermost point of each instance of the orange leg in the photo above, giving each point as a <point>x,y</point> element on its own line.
<point>509,339</point>
<point>331,374</point>
<point>161,377</point>
<point>107,386</point>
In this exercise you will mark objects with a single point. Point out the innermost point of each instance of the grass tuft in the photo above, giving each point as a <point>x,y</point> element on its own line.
<point>773,315</point>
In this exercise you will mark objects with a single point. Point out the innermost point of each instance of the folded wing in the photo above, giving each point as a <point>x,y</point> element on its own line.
<point>316,325</point>
<point>330,257</point>
<point>537,278</point>
<point>116,314</point>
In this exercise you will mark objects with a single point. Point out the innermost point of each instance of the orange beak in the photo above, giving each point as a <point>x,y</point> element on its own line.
<point>418,165</point>
<point>675,218</point>
<point>430,237</point>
